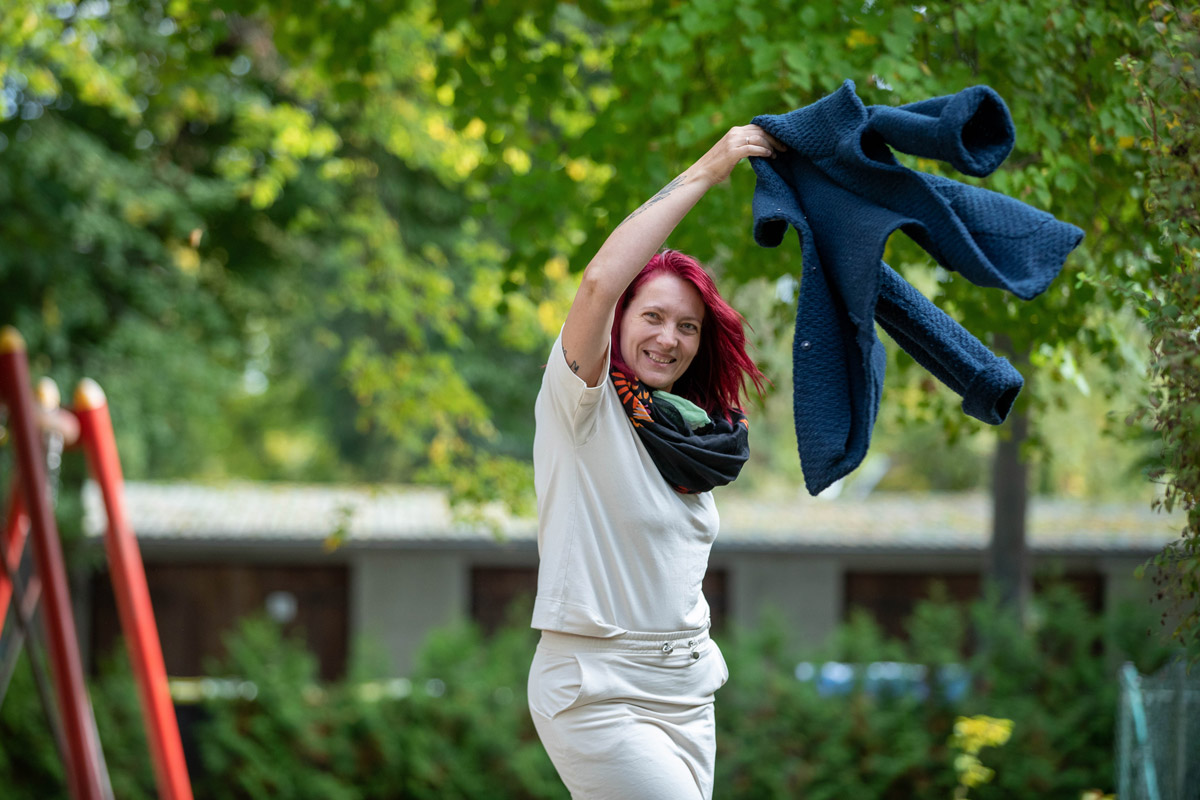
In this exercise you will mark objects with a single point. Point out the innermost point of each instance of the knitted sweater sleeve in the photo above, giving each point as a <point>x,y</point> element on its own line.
<point>972,129</point>
<point>987,383</point>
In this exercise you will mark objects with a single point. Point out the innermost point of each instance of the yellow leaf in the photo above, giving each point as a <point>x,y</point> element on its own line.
<point>517,159</point>
<point>576,170</point>
<point>264,191</point>
<point>136,213</point>
<point>860,38</point>
<point>438,130</point>
<point>187,259</point>
<point>475,129</point>
<point>556,268</point>
<point>293,140</point>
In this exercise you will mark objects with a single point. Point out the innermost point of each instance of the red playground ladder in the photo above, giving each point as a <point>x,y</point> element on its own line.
<point>30,516</point>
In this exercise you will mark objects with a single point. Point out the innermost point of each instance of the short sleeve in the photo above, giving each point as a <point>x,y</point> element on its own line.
<point>565,400</point>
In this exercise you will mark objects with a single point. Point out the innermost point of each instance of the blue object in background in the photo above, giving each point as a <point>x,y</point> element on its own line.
<point>886,679</point>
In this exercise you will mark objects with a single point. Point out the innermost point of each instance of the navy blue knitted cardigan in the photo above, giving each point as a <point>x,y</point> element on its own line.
<point>843,190</point>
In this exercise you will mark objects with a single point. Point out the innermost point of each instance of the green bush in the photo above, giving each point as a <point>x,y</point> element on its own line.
<point>777,737</point>
<point>279,734</point>
<point>459,727</point>
<point>29,760</point>
<point>30,765</point>
<point>122,729</point>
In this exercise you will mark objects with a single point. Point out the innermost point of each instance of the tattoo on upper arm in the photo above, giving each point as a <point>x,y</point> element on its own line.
<point>574,365</point>
<point>663,194</point>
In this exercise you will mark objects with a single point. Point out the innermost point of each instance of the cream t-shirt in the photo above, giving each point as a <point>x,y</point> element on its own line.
<point>620,549</point>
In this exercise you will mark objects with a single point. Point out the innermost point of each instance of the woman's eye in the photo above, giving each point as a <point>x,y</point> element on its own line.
<point>652,315</point>
<point>690,327</point>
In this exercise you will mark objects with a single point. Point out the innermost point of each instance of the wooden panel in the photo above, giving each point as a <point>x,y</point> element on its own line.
<point>890,597</point>
<point>195,605</point>
<point>499,594</point>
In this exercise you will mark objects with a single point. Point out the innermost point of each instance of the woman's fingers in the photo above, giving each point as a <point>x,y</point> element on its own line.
<point>738,143</point>
<point>756,142</point>
<point>776,145</point>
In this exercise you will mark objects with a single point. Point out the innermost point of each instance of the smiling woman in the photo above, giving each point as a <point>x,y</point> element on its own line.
<point>637,421</point>
<point>659,332</point>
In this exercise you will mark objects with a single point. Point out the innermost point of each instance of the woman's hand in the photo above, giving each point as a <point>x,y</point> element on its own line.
<point>742,141</point>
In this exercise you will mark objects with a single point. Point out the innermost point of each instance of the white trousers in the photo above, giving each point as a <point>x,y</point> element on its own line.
<point>631,716</point>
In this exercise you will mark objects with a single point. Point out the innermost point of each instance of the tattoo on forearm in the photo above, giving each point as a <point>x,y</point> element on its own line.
<point>663,194</point>
<point>574,365</point>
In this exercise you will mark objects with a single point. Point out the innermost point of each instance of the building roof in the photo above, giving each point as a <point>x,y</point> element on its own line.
<point>402,516</point>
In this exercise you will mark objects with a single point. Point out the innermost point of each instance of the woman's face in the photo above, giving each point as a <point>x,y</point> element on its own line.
<point>660,330</point>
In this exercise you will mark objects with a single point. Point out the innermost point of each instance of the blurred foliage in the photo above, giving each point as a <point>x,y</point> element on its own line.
<point>459,727</point>
<point>1168,82</point>
<point>121,724</point>
<point>29,756</point>
<point>780,738</point>
<point>275,737</point>
<point>252,225</point>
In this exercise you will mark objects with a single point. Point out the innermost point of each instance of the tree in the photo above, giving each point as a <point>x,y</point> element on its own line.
<point>1167,291</point>
<point>251,225</point>
<point>606,102</point>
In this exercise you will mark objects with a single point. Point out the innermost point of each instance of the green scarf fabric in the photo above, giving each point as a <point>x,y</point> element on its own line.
<point>695,416</point>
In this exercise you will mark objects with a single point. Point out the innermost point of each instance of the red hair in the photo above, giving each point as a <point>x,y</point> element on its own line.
<point>716,378</point>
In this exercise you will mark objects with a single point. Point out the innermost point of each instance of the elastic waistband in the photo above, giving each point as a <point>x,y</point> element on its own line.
<point>628,642</point>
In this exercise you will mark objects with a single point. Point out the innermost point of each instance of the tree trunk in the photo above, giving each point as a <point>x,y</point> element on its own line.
<point>1008,561</point>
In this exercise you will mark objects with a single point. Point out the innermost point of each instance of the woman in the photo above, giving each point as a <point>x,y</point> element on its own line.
<point>637,418</point>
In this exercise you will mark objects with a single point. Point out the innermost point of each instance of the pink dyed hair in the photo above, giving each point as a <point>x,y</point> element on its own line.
<point>716,378</point>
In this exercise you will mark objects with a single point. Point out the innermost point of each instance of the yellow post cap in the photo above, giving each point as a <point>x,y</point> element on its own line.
<point>11,340</point>
<point>89,396</point>
<point>47,393</point>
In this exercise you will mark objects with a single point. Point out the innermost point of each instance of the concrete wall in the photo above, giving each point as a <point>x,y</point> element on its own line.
<point>805,593</point>
<point>397,598</point>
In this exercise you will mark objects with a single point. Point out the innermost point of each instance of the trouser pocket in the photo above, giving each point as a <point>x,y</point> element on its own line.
<point>555,683</point>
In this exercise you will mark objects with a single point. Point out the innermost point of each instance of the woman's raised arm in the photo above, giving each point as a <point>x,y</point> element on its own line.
<point>586,332</point>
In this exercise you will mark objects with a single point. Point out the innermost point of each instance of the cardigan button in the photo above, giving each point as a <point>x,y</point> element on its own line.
<point>805,345</point>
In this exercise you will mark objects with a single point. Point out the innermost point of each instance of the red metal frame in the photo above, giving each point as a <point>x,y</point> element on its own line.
<point>31,510</point>
<point>133,596</point>
<point>83,756</point>
<point>16,531</point>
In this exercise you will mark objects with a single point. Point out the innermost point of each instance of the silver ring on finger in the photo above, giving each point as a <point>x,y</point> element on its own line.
<point>747,140</point>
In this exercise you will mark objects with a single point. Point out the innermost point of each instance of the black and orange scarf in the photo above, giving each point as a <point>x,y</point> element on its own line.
<point>692,461</point>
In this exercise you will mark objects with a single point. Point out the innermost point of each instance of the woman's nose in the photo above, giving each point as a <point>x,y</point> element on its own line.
<point>666,335</point>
